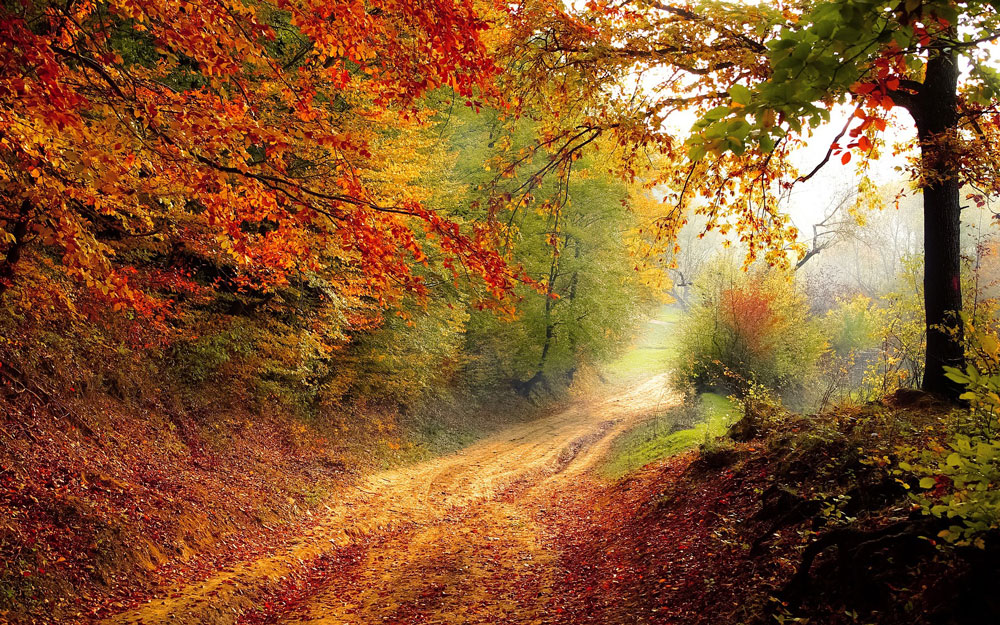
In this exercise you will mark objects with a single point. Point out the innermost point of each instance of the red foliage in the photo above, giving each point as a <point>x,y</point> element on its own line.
<point>659,547</point>
<point>749,314</point>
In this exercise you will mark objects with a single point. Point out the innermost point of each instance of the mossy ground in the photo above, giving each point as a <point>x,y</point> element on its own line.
<point>670,433</point>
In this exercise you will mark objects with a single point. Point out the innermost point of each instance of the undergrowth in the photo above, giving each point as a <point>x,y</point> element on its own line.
<point>678,429</point>
<point>800,519</point>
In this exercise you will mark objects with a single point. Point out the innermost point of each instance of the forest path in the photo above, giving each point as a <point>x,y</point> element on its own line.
<point>453,539</point>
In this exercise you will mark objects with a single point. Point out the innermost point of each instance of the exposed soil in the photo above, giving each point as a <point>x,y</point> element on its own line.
<point>459,539</point>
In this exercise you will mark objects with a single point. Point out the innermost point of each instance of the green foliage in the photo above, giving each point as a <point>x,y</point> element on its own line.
<point>749,327</point>
<point>406,360</point>
<point>761,409</point>
<point>570,240</point>
<point>982,392</point>
<point>817,59</point>
<point>204,356</point>
<point>850,326</point>
<point>959,483</point>
<point>892,353</point>
<point>698,421</point>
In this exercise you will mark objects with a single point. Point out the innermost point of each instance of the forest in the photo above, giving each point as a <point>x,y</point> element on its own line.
<point>526,312</point>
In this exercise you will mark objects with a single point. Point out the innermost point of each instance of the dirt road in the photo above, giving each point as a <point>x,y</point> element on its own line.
<point>450,540</point>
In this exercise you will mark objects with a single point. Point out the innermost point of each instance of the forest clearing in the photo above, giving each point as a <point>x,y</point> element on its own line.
<point>527,312</point>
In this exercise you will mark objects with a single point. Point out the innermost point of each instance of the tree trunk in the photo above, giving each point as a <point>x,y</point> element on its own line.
<point>936,116</point>
<point>13,255</point>
<point>550,328</point>
<point>573,281</point>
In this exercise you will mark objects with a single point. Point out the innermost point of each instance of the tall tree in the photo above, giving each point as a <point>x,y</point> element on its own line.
<point>575,238</point>
<point>762,78</point>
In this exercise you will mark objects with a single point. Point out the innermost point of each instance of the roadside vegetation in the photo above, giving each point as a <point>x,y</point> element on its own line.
<point>253,253</point>
<point>698,422</point>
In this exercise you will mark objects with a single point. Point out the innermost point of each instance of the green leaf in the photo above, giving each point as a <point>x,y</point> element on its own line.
<point>738,128</point>
<point>825,28</point>
<point>766,143</point>
<point>740,94</point>
<point>955,375</point>
<point>927,482</point>
<point>948,12</point>
<point>717,113</point>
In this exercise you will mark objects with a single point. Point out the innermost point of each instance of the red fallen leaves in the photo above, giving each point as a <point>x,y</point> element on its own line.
<point>97,525</point>
<point>657,547</point>
<point>290,592</point>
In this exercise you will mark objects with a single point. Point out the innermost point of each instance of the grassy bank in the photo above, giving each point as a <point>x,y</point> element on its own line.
<point>678,429</point>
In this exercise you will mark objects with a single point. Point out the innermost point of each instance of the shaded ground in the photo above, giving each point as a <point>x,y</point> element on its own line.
<point>526,528</point>
<point>456,539</point>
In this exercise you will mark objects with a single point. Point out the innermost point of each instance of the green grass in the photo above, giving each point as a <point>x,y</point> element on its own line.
<point>653,350</point>
<point>658,437</point>
<point>640,361</point>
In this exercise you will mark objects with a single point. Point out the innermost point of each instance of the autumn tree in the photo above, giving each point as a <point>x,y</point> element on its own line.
<point>878,55</point>
<point>275,142</point>
<point>762,77</point>
<point>572,236</point>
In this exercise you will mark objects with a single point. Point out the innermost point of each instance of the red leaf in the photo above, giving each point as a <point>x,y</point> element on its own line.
<point>846,158</point>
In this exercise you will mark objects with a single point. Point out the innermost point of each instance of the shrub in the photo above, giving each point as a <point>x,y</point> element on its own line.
<point>959,481</point>
<point>749,327</point>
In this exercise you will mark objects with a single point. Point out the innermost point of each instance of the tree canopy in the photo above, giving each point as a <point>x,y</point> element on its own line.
<point>255,136</point>
<point>760,79</point>
<point>154,153</point>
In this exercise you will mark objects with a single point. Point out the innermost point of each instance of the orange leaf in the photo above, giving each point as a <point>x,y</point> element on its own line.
<point>846,158</point>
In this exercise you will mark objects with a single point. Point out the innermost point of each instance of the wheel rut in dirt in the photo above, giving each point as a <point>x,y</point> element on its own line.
<point>454,539</point>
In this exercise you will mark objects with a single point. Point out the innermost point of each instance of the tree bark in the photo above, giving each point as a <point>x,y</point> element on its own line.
<point>936,116</point>
<point>525,388</point>
<point>13,255</point>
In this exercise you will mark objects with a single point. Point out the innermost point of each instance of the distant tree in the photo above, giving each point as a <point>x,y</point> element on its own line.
<point>761,77</point>
<point>573,237</point>
<point>836,225</point>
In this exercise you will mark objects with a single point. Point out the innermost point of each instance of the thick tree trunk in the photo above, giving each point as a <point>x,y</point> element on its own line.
<point>942,287</point>
<point>936,114</point>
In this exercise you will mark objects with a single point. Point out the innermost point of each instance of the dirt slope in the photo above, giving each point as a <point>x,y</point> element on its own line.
<point>452,539</point>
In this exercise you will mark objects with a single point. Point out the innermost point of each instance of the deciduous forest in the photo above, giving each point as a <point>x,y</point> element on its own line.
<point>525,312</point>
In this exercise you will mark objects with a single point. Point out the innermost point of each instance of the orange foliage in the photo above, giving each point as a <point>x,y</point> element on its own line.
<point>749,314</point>
<point>245,133</point>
